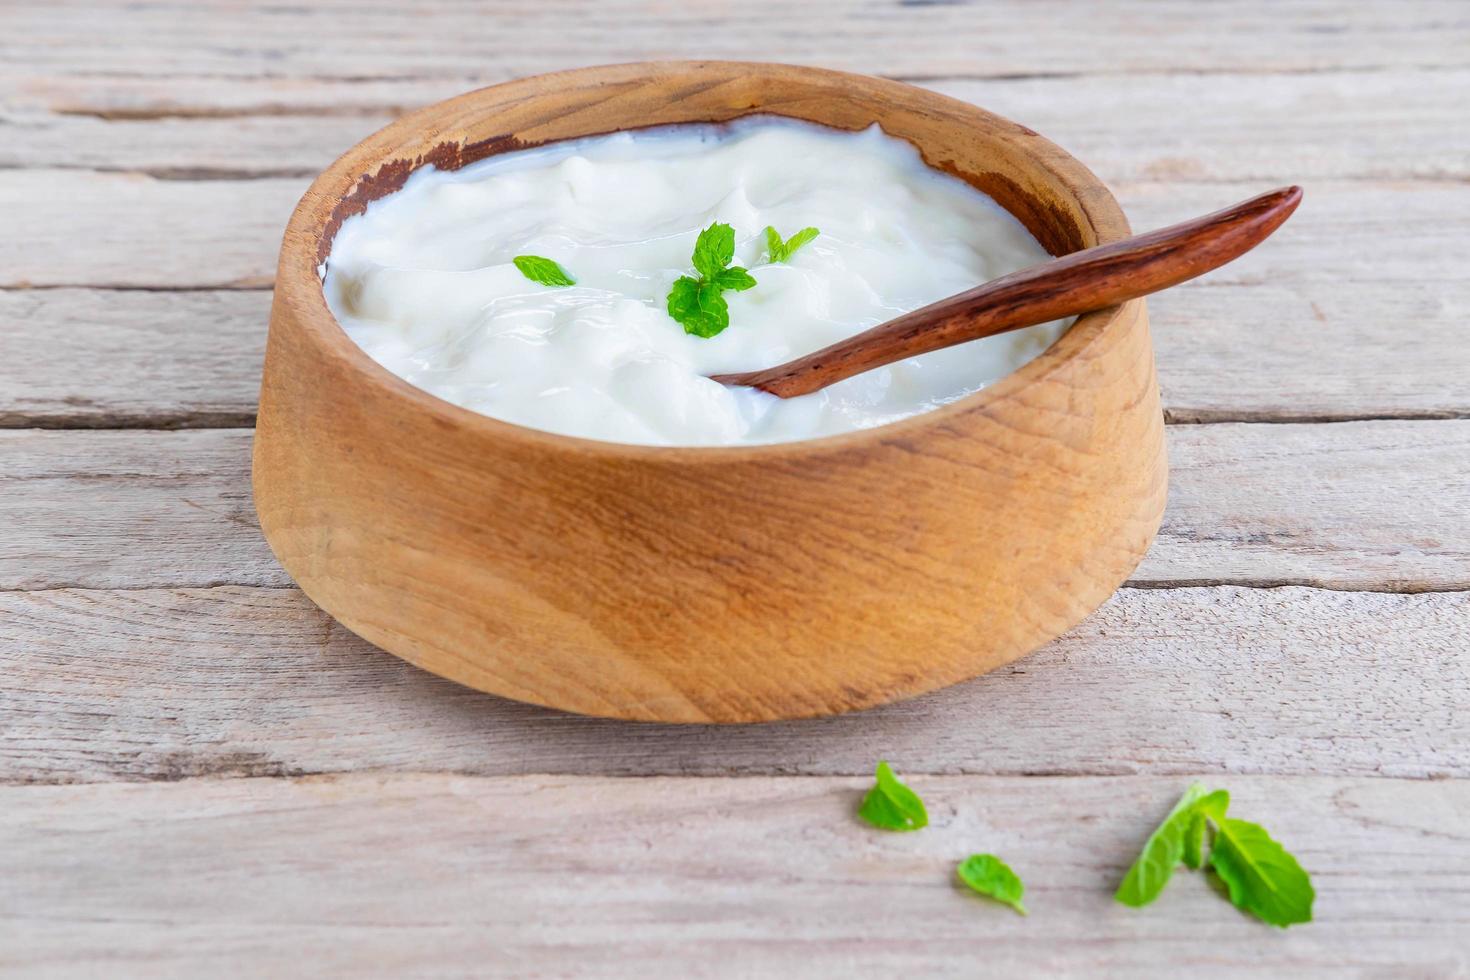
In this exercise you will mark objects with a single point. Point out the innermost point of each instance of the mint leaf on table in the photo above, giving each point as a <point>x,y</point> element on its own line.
<point>699,304</point>
<point>1260,876</point>
<point>537,268</point>
<point>990,876</point>
<point>781,251</point>
<point>1161,853</point>
<point>891,805</point>
<point>1194,841</point>
<point>1263,879</point>
<point>1214,805</point>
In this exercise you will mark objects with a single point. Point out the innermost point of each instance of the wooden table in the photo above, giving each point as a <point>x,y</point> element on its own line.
<point>202,775</point>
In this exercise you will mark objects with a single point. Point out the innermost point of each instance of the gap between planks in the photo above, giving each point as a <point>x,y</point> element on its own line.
<point>169,422</point>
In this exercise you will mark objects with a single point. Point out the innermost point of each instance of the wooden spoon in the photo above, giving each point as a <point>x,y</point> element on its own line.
<point>1091,279</point>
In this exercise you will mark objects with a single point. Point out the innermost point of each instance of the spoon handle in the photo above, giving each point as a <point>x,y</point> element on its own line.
<point>1091,279</point>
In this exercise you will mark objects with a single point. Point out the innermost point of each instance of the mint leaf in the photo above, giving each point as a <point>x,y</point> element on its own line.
<point>714,249</point>
<point>697,304</point>
<point>1194,841</point>
<point>734,278</point>
<point>989,875</point>
<point>780,251</point>
<point>775,248</point>
<point>1214,806</point>
<point>891,805</point>
<point>1262,877</point>
<point>1161,853</point>
<point>540,269</point>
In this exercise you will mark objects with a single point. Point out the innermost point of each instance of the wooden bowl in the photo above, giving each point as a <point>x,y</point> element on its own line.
<point>709,584</point>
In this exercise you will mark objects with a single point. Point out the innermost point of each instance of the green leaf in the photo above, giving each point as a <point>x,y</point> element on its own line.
<point>1194,841</point>
<point>1214,806</point>
<point>1262,877</point>
<point>775,248</point>
<point>714,249</point>
<point>799,239</point>
<point>891,805</point>
<point>540,269</point>
<point>989,875</point>
<point>734,278</point>
<point>1161,853</point>
<point>698,306</point>
<point>782,251</point>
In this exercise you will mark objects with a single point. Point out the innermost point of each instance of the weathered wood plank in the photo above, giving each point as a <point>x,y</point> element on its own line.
<point>72,228</point>
<point>129,508</point>
<point>1317,126</point>
<point>155,684</point>
<point>235,147</point>
<point>435,875</point>
<point>1350,505</point>
<point>91,357</point>
<point>1358,505</point>
<point>383,39</point>
<point>1273,351</point>
<point>1310,350</point>
<point>1283,129</point>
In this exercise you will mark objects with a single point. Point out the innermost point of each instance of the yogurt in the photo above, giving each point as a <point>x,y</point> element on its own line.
<point>424,281</point>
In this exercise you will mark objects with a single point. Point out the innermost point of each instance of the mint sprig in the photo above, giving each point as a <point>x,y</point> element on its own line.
<point>538,268</point>
<point>1262,878</point>
<point>890,805</point>
<point>992,877</point>
<point>781,251</point>
<point>1162,852</point>
<point>698,304</point>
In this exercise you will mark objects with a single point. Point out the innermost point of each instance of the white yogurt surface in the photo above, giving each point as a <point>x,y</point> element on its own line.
<point>423,281</point>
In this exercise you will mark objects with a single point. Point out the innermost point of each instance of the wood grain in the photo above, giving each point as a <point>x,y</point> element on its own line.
<point>1336,352</point>
<point>131,231</point>
<point>374,40</point>
<point>555,876</point>
<point>174,684</point>
<point>130,509</point>
<point>1361,505</point>
<point>1319,126</point>
<point>92,358</point>
<point>1370,518</point>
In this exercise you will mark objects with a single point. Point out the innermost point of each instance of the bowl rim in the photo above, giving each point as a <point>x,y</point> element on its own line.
<point>299,283</point>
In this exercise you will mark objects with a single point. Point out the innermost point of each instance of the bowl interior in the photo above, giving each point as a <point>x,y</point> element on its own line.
<point>1058,200</point>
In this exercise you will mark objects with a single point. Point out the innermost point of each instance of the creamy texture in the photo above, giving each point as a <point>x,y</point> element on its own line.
<point>423,281</point>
